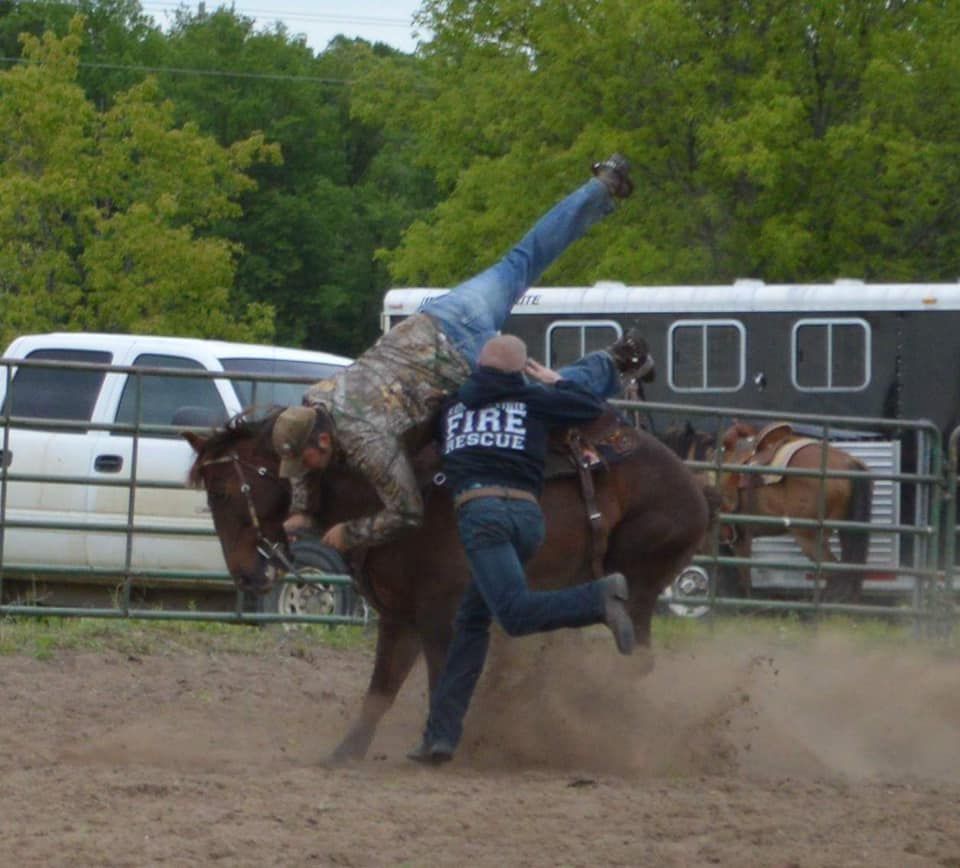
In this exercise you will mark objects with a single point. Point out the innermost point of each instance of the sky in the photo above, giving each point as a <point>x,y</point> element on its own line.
<point>388,21</point>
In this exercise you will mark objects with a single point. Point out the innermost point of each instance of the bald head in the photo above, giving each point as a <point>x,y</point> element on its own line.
<point>505,353</point>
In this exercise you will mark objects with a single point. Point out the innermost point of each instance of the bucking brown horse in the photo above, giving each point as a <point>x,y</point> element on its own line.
<point>652,516</point>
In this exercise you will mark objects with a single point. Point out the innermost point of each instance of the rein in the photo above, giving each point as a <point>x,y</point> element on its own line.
<point>271,551</point>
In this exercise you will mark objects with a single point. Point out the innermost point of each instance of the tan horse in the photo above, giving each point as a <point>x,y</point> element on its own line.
<point>795,496</point>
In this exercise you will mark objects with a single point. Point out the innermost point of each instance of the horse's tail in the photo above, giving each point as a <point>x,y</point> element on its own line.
<point>854,544</point>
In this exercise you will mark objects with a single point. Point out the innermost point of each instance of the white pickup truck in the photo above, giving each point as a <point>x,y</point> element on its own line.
<point>55,418</point>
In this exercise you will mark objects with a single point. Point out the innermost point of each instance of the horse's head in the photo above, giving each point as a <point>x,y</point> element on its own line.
<point>238,468</point>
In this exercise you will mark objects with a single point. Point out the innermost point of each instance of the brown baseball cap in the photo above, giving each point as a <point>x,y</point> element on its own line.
<point>290,434</point>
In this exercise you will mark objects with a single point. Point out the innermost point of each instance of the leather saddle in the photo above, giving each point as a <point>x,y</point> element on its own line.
<point>759,450</point>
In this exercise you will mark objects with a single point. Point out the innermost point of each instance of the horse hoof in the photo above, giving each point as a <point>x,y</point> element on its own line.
<point>338,759</point>
<point>645,660</point>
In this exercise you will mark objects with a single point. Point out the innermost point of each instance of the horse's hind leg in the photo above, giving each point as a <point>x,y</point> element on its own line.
<point>398,644</point>
<point>648,573</point>
<point>841,587</point>
<point>655,541</point>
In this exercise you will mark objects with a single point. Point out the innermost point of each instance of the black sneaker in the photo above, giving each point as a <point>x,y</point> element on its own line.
<point>615,614</point>
<point>433,753</point>
<point>631,356</point>
<point>614,172</point>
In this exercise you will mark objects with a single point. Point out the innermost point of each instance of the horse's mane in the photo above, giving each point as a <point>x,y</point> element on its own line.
<point>246,425</point>
<point>687,442</point>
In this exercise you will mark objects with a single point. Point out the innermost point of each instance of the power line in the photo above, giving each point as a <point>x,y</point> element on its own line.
<point>221,73</point>
<point>306,17</point>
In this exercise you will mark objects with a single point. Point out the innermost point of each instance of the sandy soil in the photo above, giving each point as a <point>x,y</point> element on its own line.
<point>728,755</point>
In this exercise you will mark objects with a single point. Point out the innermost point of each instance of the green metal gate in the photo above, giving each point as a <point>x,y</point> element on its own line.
<point>928,566</point>
<point>928,601</point>
<point>126,581</point>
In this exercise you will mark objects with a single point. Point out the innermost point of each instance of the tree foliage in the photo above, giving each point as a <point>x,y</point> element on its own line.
<point>102,213</point>
<point>310,227</point>
<point>785,141</point>
<point>770,139</point>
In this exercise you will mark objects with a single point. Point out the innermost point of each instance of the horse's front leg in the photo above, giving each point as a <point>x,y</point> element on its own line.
<point>398,644</point>
<point>436,631</point>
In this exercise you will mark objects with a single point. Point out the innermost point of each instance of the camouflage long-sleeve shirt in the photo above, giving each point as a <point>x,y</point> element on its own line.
<point>377,405</point>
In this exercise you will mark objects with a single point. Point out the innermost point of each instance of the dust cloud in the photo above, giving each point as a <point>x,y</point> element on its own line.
<point>806,709</point>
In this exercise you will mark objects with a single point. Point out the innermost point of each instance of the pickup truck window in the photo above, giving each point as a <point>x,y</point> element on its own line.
<point>263,394</point>
<point>165,400</point>
<point>57,393</point>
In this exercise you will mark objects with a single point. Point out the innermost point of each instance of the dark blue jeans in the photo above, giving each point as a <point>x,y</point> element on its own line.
<point>500,536</point>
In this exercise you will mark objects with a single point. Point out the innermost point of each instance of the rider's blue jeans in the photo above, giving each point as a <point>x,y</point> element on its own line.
<point>499,537</point>
<point>473,312</point>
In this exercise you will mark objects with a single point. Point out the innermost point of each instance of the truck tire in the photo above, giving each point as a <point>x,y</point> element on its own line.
<point>313,559</point>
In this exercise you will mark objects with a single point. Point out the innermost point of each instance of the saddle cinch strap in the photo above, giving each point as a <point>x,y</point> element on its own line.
<point>582,461</point>
<point>593,447</point>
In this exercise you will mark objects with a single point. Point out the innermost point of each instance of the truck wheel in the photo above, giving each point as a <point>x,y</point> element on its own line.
<point>313,559</point>
<point>306,598</point>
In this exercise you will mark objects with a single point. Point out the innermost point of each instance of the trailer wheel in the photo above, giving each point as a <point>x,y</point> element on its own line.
<point>694,581</point>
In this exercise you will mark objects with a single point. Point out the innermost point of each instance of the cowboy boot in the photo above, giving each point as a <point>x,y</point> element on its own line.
<point>615,614</point>
<point>631,356</point>
<point>432,753</point>
<point>614,172</point>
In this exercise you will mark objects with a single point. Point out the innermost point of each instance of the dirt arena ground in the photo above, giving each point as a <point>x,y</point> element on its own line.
<point>735,753</point>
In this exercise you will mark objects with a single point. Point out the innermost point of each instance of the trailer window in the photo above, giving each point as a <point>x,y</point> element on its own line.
<point>568,341</point>
<point>706,355</point>
<point>830,355</point>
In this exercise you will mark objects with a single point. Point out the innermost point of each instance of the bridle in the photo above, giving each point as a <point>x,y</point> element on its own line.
<point>271,551</point>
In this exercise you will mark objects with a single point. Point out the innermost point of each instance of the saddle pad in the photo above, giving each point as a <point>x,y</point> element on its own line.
<point>783,456</point>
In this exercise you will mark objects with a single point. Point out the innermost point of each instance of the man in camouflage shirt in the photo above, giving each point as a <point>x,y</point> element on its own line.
<point>378,411</point>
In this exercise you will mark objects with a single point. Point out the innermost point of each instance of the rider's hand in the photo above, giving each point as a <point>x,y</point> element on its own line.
<point>296,523</point>
<point>335,539</point>
<point>540,373</point>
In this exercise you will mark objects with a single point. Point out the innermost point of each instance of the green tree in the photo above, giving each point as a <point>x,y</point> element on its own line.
<point>310,228</point>
<point>101,213</point>
<point>770,139</point>
<point>306,239</point>
<point>119,39</point>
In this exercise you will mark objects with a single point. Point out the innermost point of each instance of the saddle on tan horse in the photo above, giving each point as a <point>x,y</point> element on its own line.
<point>772,446</point>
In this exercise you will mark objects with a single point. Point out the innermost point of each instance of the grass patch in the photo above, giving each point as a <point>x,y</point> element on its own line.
<point>45,637</point>
<point>793,630</point>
